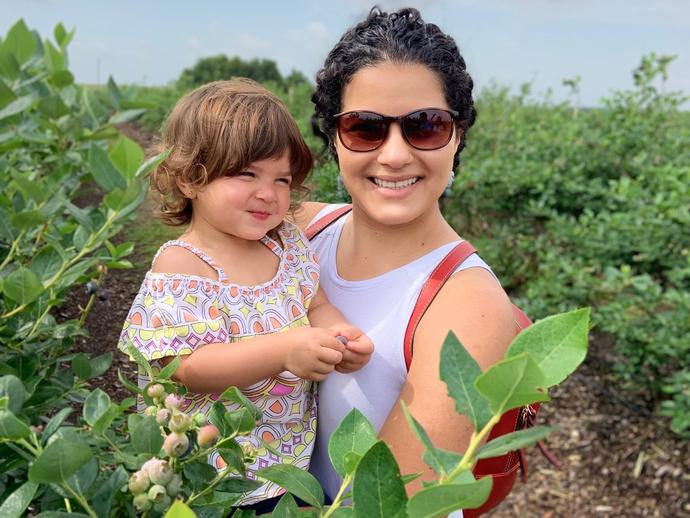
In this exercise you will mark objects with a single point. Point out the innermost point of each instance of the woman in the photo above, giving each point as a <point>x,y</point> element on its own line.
<point>395,102</point>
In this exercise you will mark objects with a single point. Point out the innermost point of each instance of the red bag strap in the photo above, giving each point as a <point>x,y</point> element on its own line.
<point>322,223</point>
<point>431,287</point>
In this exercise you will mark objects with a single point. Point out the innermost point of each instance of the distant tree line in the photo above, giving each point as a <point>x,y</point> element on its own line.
<point>223,67</point>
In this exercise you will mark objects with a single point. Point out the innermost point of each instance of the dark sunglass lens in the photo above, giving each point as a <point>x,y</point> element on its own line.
<point>362,131</point>
<point>428,129</point>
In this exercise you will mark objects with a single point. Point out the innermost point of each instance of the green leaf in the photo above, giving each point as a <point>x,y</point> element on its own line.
<point>53,107</point>
<point>378,489</point>
<point>60,459</point>
<point>54,59</point>
<point>12,387</point>
<point>126,116</point>
<point>6,94</point>
<point>17,106</point>
<point>113,92</point>
<point>167,371</point>
<point>11,427</point>
<point>100,364</point>
<point>61,78</point>
<point>147,437</point>
<point>557,343</point>
<point>47,263</point>
<point>103,170</point>
<point>512,383</point>
<point>234,395</point>
<point>435,458</point>
<point>459,370</point>
<point>81,366</point>
<point>21,42</point>
<point>7,231</point>
<point>140,359</point>
<point>82,480</point>
<point>232,454</point>
<point>103,497</point>
<point>80,238</point>
<point>199,474</point>
<point>153,162</point>
<point>354,434</point>
<point>55,423</point>
<point>22,286</point>
<point>179,510</point>
<point>126,155</point>
<point>95,406</point>
<point>126,383</point>
<point>286,508</point>
<point>513,441</point>
<point>8,65</point>
<point>237,485</point>
<point>241,421</point>
<point>295,480</point>
<point>27,219</point>
<point>62,37</point>
<point>441,499</point>
<point>15,504</point>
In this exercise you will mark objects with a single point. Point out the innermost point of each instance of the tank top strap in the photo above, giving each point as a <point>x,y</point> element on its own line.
<point>196,251</point>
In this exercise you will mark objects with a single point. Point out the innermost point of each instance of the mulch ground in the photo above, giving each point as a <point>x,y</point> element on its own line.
<point>618,459</point>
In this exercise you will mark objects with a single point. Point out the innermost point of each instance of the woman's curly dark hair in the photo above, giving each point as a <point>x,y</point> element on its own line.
<point>399,37</point>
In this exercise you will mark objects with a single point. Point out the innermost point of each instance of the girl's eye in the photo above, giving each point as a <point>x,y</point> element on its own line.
<point>287,180</point>
<point>246,174</point>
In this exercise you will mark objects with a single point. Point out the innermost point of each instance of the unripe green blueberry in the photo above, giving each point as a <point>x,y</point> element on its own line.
<point>162,416</point>
<point>150,411</point>
<point>139,482</point>
<point>207,435</point>
<point>179,422</point>
<point>163,504</point>
<point>172,401</point>
<point>175,444</point>
<point>173,487</point>
<point>249,453</point>
<point>199,419</point>
<point>142,503</point>
<point>157,493</point>
<point>160,472</point>
<point>156,391</point>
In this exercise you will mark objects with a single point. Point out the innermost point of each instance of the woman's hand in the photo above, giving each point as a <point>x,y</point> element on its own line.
<point>359,348</point>
<point>312,352</point>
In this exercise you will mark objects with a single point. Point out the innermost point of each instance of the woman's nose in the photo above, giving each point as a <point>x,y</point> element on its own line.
<point>395,152</point>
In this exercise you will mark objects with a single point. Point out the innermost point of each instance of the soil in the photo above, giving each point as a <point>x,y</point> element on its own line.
<point>617,458</point>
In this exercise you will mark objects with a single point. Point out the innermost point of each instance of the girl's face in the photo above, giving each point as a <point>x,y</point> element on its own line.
<point>396,183</point>
<point>246,205</point>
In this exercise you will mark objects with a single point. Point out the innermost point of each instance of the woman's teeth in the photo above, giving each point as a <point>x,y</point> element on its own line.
<point>395,185</point>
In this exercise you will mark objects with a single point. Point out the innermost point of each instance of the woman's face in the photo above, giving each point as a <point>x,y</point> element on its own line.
<point>395,184</point>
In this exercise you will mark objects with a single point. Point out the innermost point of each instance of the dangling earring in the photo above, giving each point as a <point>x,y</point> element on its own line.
<point>449,186</point>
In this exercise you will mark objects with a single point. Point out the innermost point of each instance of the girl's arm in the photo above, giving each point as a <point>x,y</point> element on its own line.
<point>307,352</point>
<point>359,346</point>
<point>477,310</point>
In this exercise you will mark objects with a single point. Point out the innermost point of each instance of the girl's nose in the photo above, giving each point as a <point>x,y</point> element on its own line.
<point>395,152</point>
<point>266,193</point>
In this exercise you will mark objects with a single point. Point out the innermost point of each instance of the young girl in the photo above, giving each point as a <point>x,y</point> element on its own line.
<point>237,296</point>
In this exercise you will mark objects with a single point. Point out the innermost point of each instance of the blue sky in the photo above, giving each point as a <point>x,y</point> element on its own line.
<point>505,41</point>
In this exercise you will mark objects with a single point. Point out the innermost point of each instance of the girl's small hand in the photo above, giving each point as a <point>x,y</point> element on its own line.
<point>359,349</point>
<point>312,352</point>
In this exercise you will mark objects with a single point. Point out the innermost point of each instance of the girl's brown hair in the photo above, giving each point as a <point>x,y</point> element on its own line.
<point>217,130</point>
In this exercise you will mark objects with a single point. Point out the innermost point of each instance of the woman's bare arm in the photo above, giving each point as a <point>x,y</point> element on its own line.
<point>477,310</point>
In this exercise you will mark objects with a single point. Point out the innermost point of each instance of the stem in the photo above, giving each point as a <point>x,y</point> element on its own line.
<point>85,312</point>
<point>475,442</point>
<point>13,249</point>
<point>208,488</point>
<point>68,505</point>
<point>34,451</point>
<point>82,501</point>
<point>337,500</point>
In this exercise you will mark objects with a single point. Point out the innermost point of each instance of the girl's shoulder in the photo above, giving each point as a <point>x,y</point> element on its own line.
<point>178,258</point>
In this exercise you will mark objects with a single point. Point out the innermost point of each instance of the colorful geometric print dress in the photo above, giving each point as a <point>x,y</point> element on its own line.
<point>175,314</point>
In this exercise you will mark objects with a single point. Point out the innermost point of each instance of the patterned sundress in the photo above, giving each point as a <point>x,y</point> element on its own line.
<point>174,314</point>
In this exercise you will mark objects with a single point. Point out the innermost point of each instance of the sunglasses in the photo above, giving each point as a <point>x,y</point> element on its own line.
<point>426,129</point>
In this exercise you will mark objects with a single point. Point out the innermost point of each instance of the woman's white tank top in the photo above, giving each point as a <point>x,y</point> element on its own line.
<point>381,307</point>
